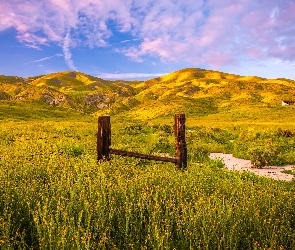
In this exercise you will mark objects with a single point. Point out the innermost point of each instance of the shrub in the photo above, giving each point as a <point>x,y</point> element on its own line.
<point>285,133</point>
<point>200,154</point>
<point>72,150</point>
<point>259,157</point>
<point>217,163</point>
<point>262,156</point>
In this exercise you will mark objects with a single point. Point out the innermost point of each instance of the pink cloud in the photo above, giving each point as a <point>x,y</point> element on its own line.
<point>31,39</point>
<point>254,52</point>
<point>213,32</point>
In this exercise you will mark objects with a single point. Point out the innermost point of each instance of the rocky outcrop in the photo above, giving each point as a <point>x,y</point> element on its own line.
<point>99,100</point>
<point>4,96</point>
<point>53,100</point>
<point>45,94</point>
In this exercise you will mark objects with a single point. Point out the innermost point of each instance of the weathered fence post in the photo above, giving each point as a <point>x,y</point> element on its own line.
<point>104,142</point>
<point>180,143</point>
<point>103,137</point>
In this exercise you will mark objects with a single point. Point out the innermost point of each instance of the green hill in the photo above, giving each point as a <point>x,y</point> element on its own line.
<point>194,91</point>
<point>10,86</point>
<point>72,82</point>
<point>200,92</point>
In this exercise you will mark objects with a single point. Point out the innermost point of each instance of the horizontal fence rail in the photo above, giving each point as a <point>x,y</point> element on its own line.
<point>142,156</point>
<point>104,150</point>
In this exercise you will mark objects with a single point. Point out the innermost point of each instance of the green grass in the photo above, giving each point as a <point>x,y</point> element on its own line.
<point>33,110</point>
<point>54,195</point>
<point>292,172</point>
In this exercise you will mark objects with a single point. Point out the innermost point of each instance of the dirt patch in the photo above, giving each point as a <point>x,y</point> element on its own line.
<point>233,163</point>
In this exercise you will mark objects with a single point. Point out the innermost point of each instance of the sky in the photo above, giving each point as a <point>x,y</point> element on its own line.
<point>141,39</point>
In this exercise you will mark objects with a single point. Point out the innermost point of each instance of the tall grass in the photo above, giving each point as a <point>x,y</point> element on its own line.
<point>54,195</point>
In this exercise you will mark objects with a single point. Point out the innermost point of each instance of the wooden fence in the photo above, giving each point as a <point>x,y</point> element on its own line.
<point>104,142</point>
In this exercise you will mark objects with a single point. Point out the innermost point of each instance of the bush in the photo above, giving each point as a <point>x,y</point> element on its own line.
<point>72,150</point>
<point>264,156</point>
<point>217,163</point>
<point>259,157</point>
<point>200,154</point>
<point>285,133</point>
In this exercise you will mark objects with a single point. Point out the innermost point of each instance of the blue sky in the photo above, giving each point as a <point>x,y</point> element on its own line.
<point>140,39</point>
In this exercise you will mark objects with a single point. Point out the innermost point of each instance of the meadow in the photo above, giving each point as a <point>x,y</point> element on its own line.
<point>54,194</point>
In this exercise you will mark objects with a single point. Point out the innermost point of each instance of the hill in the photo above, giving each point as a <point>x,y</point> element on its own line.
<point>194,91</point>
<point>200,92</point>
<point>69,89</point>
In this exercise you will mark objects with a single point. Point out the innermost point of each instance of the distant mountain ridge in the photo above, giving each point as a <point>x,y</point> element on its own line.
<point>188,90</point>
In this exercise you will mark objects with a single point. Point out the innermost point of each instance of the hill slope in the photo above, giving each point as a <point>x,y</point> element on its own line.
<point>194,91</point>
<point>203,92</point>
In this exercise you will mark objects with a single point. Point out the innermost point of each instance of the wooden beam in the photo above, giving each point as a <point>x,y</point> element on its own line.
<point>103,137</point>
<point>180,143</point>
<point>143,156</point>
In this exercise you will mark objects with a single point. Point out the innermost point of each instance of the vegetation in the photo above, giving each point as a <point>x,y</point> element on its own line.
<point>54,195</point>
<point>193,91</point>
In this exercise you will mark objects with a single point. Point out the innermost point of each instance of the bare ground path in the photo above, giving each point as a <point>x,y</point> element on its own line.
<point>233,163</point>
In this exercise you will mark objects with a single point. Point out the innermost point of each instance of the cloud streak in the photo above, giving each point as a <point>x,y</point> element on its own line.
<point>67,52</point>
<point>210,32</point>
<point>46,58</point>
<point>128,75</point>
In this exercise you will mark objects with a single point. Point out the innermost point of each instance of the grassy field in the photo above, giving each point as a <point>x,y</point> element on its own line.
<point>54,195</point>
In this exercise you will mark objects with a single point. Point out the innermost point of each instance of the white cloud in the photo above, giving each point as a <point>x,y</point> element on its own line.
<point>67,52</point>
<point>46,58</point>
<point>265,68</point>
<point>128,75</point>
<point>130,40</point>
